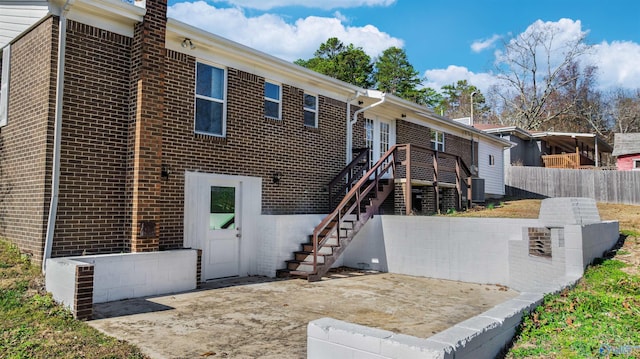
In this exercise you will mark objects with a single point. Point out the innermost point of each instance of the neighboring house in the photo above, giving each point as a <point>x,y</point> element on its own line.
<point>550,149</point>
<point>626,149</point>
<point>124,131</point>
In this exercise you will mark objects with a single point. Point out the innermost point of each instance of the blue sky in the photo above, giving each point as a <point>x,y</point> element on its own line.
<point>445,40</point>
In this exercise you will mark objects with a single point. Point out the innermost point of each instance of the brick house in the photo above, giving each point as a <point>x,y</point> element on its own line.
<point>125,131</point>
<point>626,148</point>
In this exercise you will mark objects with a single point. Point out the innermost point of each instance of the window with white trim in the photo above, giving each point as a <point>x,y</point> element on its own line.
<point>492,160</point>
<point>310,110</point>
<point>636,164</point>
<point>211,100</point>
<point>272,100</point>
<point>4,85</point>
<point>437,140</point>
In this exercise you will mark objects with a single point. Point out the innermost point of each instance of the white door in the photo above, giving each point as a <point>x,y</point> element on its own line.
<point>222,222</point>
<point>380,135</point>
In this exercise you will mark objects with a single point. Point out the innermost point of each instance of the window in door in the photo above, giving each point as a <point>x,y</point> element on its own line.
<point>368,138</point>
<point>385,133</point>
<point>222,212</point>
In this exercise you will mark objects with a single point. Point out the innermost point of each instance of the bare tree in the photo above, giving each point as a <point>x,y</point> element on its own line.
<point>533,68</point>
<point>625,110</point>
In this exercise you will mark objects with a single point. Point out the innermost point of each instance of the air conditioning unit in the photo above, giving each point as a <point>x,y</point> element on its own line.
<point>477,190</point>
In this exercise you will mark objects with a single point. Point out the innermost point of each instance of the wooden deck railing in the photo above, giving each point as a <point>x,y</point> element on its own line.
<point>567,160</point>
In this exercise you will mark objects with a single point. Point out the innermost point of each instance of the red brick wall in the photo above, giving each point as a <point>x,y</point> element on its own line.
<point>307,158</point>
<point>147,84</point>
<point>92,201</point>
<point>26,140</point>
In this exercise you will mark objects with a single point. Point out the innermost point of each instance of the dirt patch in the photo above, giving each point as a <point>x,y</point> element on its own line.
<point>269,319</point>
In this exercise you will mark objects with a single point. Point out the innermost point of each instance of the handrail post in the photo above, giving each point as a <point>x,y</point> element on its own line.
<point>458,184</point>
<point>435,181</point>
<point>407,195</point>
<point>315,252</point>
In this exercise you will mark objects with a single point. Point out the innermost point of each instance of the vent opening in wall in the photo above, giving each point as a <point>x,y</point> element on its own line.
<point>540,242</point>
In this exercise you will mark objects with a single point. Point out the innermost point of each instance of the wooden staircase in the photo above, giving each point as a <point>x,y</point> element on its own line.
<point>331,237</point>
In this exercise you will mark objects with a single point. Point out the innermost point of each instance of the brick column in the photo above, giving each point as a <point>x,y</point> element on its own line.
<point>145,131</point>
<point>83,300</point>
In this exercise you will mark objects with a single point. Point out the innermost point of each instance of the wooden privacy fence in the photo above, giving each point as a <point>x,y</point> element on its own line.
<point>603,186</point>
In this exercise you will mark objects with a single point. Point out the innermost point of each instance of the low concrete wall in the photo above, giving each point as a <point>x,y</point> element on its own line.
<point>465,249</point>
<point>121,276</point>
<point>476,250</point>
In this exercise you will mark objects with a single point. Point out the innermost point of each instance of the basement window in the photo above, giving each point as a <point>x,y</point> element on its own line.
<point>4,85</point>
<point>211,102</point>
<point>636,164</point>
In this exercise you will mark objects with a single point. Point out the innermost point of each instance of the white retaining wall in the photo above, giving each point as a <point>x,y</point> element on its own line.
<point>61,280</point>
<point>476,250</point>
<point>281,235</point>
<point>126,275</point>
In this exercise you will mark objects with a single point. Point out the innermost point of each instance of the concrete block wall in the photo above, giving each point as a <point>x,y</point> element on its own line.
<point>440,247</point>
<point>120,276</point>
<point>280,236</point>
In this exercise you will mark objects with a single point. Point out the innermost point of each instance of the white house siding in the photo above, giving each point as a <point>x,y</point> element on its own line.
<point>493,174</point>
<point>17,16</point>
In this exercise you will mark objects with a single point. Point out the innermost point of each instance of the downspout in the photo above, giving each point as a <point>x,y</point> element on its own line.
<point>349,141</point>
<point>55,172</point>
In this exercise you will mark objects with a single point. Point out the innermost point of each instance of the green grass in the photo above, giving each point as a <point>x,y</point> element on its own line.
<point>600,317</point>
<point>32,325</point>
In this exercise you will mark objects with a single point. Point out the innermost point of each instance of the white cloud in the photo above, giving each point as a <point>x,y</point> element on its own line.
<point>617,61</point>
<point>437,78</point>
<point>617,64</point>
<point>317,4</point>
<point>481,45</point>
<point>273,35</point>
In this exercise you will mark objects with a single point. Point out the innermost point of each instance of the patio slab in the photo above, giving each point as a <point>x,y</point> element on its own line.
<point>262,317</point>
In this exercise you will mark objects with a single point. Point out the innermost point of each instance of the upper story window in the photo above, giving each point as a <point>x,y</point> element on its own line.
<point>272,100</point>
<point>492,160</point>
<point>437,140</point>
<point>4,85</point>
<point>310,110</point>
<point>210,100</point>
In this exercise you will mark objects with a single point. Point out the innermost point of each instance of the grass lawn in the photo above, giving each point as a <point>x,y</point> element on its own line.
<point>33,326</point>
<point>600,317</point>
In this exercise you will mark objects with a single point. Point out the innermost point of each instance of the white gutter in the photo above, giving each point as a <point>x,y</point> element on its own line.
<point>55,172</point>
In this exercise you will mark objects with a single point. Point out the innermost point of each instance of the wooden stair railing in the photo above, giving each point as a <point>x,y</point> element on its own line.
<point>336,230</point>
<point>349,175</point>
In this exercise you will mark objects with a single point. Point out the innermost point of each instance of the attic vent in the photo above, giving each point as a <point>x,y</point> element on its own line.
<point>540,242</point>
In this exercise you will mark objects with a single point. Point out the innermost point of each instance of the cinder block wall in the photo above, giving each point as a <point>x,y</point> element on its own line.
<point>26,140</point>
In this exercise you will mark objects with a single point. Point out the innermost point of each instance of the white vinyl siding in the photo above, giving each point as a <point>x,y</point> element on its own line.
<point>493,174</point>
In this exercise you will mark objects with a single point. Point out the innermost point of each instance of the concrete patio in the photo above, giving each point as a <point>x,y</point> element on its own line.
<point>260,317</point>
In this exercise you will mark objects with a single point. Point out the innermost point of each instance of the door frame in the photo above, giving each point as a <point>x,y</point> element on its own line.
<point>250,207</point>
